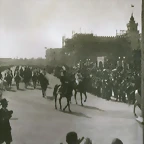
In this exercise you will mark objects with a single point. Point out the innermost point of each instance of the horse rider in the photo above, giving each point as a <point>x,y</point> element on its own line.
<point>78,77</point>
<point>63,79</point>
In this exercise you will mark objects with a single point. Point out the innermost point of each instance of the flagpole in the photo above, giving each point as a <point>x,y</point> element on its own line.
<point>132,6</point>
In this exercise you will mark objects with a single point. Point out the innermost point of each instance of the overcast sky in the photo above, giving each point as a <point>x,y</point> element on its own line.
<point>27,26</point>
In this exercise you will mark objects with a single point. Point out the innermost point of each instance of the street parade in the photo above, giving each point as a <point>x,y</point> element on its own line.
<point>71,72</point>
<point>118,83</point>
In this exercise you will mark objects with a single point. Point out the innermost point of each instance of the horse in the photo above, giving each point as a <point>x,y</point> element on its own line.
<point>81,88</point>
<point>67,94</point>
<point>137,102</point>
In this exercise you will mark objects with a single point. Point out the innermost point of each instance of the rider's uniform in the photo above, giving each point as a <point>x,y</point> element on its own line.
<point>78,78</point>
<point>63,79</point>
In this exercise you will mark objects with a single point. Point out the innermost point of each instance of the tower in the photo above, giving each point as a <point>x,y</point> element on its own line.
<point>133,33</point>
<point>63,41</point>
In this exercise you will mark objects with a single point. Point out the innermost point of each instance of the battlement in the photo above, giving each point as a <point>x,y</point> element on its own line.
<point>105,36</point>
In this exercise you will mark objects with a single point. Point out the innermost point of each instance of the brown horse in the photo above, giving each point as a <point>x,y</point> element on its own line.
<point>67,94</point>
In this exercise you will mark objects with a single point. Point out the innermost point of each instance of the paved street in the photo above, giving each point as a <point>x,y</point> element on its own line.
<point>35,120</point>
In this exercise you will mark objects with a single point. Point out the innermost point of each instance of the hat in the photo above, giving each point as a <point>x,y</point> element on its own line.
<point>3,101</point>
<point>117,141</point>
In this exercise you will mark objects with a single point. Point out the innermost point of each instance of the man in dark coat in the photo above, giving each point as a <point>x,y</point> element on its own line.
<point>26,77</point>
<point>17,79</point>
<point>1,75</point>
<point>34,79</point>
<point>43,82</point>
<point>21,72</point>
<point>5,128</point>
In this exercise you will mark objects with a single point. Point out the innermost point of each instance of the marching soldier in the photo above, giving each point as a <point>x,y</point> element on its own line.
<point>43,82</point>
<point>5,128</point>
<point>17,78</point>
<point>34,79</point>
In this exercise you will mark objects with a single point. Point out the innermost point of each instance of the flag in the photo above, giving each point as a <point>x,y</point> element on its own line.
<point>132,5</point>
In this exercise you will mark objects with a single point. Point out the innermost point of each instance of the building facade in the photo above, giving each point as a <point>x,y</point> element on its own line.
<point>53,56</point>
<point>131,34</point>
<point>122,43</point>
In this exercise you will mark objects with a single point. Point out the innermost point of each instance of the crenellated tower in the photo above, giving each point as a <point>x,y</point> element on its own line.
<point>133,33</point>
<point>63,41</point>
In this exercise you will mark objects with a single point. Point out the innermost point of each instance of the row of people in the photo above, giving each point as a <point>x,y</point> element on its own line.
<point>120,82</point>
<point>27,75</point>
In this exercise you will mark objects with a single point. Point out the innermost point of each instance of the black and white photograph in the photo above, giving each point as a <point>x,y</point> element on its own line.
<point>71,71</point>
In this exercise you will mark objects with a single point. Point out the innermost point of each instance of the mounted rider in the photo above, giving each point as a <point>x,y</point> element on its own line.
<point>63,79</point>
<point>78,77</point>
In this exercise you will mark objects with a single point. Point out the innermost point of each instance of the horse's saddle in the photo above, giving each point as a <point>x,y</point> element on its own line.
<point>62,89</point>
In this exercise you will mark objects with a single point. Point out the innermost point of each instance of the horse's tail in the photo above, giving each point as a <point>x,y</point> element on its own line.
<point>55,90</point>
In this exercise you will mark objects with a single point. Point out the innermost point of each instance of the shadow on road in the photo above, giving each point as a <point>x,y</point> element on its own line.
<point>30,88</point>
<point>21,89</point>
<point>92,107</point>
<point>38,88</point>
<point>79,114</point>
<point>49,87</point>
<point>50,98</point>
<point>116,101</point>
<point>14,119</point>
<point>11,90</point>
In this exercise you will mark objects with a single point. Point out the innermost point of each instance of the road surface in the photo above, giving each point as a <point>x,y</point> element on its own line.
<point>35,120</point>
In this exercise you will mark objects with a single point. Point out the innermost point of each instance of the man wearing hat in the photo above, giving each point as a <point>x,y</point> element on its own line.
<point>43,82</point>
<point>5,128</point>
<point>63,79</point>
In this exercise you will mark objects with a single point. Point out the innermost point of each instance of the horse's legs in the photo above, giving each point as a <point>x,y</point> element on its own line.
<point>55,101</point>
<point>17,85</point>
<point>68,102</point>
<point>43,92</point>
<point>68,105</point>
<point>75,93</point>
<point>81,98</point>
<point>85,96</point>
<point>135,108</point>
<point>60,102</point>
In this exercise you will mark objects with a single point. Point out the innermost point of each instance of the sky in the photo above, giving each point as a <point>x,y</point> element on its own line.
<point>28,26</point>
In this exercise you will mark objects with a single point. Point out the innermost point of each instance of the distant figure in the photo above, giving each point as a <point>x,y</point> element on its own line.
<point>43,82</point>
<point>1,75</point>
<point>34,79</point>
<point>17,79</point>
<point>21,72</point>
